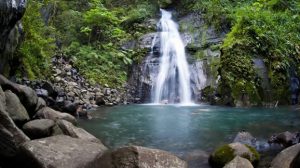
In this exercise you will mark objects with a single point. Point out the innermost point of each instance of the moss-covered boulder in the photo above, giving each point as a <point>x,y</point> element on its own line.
<point>224,154</point>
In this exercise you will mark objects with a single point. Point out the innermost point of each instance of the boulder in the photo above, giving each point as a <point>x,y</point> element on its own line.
<point>285,139</point>
<point>49,87</point>
<point>11,137</point>
<point>140,157</point>
<point>75,132</point>
<point>40,128</point>
<point>62,152</point>
<point>286,157</point>
<point>7,84</point>
<point>238,162</point>
<point>100,101</point>
<point>41,103</point>
<point>70,107</point>
<point>28,98</point>
<point>49,113</point>
<point>224,154</point>
<point>15,109</point>
<point>245,138</point>
<point>42,92</point>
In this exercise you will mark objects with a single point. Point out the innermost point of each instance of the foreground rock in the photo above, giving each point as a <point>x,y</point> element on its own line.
<point>140,157</point>
<point>285,139</point>
<point>245,138</point>
<point>11,137</point>
<point>239,162</point>
<point>62,152</point>
<point>27,96</point>
<point>226,153</point>
<point>75,132</point>
<point>15,109</point>
<point>48,113</point>
<point>286,157</point>
<point>38,128</point>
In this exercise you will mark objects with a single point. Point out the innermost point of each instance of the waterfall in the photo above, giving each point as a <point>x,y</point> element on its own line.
<point>172,84</point>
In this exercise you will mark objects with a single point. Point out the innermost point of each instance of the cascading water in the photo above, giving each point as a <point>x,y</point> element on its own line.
<point>172,84</point>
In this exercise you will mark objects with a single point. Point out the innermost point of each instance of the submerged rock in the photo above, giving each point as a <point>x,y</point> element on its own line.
<point>245,138</point>
<point>224,154</point>
<point>62,152</point>
<point>140,157</point>
<point>285,139</point>
<point>38,128</point>
<point>239,162</point>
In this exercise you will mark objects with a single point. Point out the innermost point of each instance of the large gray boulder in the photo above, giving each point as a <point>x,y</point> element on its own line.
<point>75,132</point>
<point>40,128</point>
<point>140,157</point>
<point>62,152</point>
<point>239,162</point>
<point>11,137</point>
<point>27,96</point>
<point>15,109</point>
<point>48,113</point>
<point>285,158</point>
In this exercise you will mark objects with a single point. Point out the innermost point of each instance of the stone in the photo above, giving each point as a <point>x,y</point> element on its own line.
<point>140,157</point>
<point>70,107</point>
<point>11,137</point>
<point>100,101</point>
<point>40,128</point>
<point>50,88</point>
<point>62,152</point>
<point>28,98</point>
<point>42,92</point>
<point>15,109</point>
<point>58,79</point>
<point>75,132</point>
<point>245,138</point>
<point>40,104</point>
<point>285,139</point>
<point>48,113</point>
<point>285,158</point>
<point>224,154</point>
<point>239,162</point>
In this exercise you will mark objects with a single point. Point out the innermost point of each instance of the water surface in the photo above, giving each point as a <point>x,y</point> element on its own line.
<point>184,130</point>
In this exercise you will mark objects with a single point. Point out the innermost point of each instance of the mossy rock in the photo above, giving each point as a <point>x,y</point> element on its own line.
<point>165,3</point>
<point>224,154</point>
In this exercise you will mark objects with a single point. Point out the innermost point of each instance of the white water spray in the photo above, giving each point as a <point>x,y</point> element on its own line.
<point>172,84</point>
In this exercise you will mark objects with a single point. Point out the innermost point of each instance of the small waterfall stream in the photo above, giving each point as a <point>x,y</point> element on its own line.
<point>172,84</point>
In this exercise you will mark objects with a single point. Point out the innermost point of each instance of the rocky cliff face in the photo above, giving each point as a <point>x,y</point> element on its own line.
<point>11,11</point>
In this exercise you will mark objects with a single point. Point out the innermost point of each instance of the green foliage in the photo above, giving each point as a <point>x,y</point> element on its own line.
<point>91,32</point>
<point>37,47</point>
<point>266,29</point>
